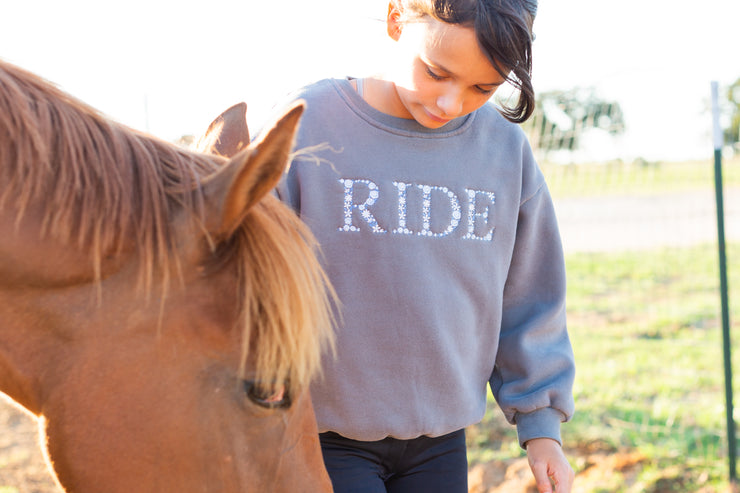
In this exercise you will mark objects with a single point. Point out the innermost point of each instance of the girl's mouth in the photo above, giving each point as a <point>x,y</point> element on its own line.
<point>435,118</point>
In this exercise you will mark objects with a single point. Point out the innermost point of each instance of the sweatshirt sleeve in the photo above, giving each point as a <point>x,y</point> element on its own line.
<point>532,379</point>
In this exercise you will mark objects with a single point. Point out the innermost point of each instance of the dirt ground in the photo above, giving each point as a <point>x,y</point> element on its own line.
<point>23,470</point>
<point>22,466</point>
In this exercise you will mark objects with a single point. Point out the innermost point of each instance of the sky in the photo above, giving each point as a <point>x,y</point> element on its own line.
<point>171,67</point>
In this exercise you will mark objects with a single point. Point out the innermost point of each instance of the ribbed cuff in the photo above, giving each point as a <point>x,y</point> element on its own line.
<point>542,423</point>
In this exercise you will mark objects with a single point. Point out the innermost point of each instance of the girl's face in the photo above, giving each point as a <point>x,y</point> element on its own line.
<point>441,73</point>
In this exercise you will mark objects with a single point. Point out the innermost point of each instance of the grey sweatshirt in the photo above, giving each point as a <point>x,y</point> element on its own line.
<point>444,250</point>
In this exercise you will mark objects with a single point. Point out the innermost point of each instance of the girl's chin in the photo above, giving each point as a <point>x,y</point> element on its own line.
<point>435,119</point>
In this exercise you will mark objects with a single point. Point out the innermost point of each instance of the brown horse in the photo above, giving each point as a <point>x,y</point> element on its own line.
<point>160,311</point>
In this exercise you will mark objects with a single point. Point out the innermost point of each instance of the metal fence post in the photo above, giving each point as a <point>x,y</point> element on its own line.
<point>718,143</point>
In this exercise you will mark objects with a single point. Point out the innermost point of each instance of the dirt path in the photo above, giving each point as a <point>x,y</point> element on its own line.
<point>639,222</point>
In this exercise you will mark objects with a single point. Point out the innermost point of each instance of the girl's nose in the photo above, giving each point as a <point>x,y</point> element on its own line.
<point>450,102</point>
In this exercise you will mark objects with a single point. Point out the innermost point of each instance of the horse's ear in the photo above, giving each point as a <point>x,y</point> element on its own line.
<point>227,134</point>
<point>250,175</point>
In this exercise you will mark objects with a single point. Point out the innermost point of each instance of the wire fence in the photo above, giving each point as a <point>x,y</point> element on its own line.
<point>644,311</point>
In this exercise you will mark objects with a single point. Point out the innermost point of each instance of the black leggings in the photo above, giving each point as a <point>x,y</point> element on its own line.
<point>423,465</point>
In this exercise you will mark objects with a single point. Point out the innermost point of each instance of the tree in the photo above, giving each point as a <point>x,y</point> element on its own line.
<point>732,132</point>
<point>561,117</point>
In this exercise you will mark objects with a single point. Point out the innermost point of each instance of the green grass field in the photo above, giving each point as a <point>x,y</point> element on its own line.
<point>646,331</point>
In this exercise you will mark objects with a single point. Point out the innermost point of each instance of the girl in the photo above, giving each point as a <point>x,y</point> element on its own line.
<point>439,236</point>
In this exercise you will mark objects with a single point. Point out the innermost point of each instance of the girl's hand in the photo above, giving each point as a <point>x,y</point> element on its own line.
<point>549,466</point>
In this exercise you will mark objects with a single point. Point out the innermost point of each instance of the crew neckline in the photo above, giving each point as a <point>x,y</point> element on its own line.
<point>394,124</point>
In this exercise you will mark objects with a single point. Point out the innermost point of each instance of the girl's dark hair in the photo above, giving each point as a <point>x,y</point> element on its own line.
<point>504,31</point>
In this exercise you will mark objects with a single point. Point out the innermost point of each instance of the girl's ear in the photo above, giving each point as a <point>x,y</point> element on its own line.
<point>393,22</point>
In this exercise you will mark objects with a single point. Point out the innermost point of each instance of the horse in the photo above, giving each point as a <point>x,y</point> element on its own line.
<point>161,311</point>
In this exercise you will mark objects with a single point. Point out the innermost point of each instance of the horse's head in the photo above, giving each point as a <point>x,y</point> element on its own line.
<point>165,315</point>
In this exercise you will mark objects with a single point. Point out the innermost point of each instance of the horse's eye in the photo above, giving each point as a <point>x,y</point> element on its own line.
<point>270,396</point>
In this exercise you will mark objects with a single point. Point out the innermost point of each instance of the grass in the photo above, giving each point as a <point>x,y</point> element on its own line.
<point>646,331</point>
<point>650,367</point>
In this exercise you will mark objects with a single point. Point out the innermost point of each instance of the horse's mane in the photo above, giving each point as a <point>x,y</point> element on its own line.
<point>111,189</point>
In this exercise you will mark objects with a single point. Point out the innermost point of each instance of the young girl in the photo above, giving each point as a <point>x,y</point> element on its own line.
<point>440,238</point>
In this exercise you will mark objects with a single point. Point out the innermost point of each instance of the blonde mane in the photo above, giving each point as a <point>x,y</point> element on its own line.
<point>104,186</point>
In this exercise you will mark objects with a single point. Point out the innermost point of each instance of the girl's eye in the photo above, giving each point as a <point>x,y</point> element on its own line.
<point>484,91</point>
<point>433,75</point>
